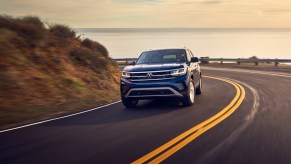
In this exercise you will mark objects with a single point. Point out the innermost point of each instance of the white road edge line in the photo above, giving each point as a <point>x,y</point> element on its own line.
<point>52,119</point>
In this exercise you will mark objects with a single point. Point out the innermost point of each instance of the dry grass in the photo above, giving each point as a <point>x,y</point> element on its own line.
<point>93,45</point>
<point>41,78</point>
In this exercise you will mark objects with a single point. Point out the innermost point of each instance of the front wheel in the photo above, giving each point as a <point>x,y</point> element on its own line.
<point>189,99</point>
<point>129,103</point>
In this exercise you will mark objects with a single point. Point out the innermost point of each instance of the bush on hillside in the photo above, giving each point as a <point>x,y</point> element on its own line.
<point>6,21</point>
<point>253,57</point>
<point>89,58</point>
<point>95,46</point>
<point>62,31</point>
<point>31,28</point>
<point>33,21</point>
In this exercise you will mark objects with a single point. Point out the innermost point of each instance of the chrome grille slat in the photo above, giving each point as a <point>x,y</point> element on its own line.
<point>138,76</point>
<point>163,75</point>
<point>152,79</point>
<point>152,92</point>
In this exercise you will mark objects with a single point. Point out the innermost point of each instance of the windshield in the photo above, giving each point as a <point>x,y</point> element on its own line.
<point>162,56</point>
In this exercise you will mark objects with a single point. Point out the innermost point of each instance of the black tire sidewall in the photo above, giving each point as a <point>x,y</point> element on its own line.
<point>128,102</point>
<point>199,90</point>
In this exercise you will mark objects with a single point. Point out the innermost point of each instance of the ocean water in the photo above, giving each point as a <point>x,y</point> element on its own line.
<point>215,43</point>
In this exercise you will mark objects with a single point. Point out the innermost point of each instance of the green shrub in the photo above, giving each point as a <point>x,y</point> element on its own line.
<point>95,46</point>
<point>62,31</point>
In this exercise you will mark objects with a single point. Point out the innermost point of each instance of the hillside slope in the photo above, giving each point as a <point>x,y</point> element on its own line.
<point>50,71</point>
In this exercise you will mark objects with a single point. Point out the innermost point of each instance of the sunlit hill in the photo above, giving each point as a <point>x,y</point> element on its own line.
<point>48,70</point>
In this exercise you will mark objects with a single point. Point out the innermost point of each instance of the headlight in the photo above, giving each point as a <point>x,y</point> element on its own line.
<point>125,74</point>
<point>179,72</point>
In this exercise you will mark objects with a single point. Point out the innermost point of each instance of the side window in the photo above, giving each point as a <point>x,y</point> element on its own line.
<point>188,55</point>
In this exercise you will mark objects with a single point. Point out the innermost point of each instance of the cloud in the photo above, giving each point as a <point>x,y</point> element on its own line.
<point>137,1</point>
<point>277,11</point>
<point>155,13</point>
<point>211,2</point>
<point>203,2</point>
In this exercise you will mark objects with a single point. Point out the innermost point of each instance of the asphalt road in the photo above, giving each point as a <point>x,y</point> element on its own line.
<point>259,130</point>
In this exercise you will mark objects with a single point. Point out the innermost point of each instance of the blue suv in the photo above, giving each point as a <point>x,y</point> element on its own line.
<point>164,73</point>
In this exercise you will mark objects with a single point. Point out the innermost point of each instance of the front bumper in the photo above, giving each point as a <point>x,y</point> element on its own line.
<point>175,88</point>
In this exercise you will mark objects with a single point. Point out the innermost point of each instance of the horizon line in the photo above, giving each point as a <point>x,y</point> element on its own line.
<point>183,27</point>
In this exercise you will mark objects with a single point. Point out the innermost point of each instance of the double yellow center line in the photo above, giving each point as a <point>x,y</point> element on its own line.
<point>163,152</point>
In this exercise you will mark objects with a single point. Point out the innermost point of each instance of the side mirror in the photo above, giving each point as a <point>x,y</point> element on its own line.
<point>131,62</point>
<point>194,60</point>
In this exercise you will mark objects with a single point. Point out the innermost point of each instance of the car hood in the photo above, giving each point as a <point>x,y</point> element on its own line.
<point>153,67</point>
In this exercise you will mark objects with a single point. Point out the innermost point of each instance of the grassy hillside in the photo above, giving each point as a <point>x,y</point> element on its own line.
<point>47,71</point>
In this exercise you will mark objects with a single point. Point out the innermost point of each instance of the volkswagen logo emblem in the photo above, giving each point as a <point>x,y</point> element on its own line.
<point>149,75</point>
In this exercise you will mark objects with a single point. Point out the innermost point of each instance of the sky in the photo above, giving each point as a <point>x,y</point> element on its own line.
<point>155,13</point>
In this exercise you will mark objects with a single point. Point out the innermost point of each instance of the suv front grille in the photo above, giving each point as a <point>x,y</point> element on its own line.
<point>153,75</point>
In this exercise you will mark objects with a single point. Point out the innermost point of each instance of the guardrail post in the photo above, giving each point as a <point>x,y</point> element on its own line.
<point>238,61</point>
<point>276,63</point>
<point>256,63</point>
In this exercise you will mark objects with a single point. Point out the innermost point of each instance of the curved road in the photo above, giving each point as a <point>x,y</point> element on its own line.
<point>259,130</point>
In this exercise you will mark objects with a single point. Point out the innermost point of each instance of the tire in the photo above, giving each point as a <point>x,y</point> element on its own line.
<point>199,88</point>
<point>189,99</point>
<point>129,103</point>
